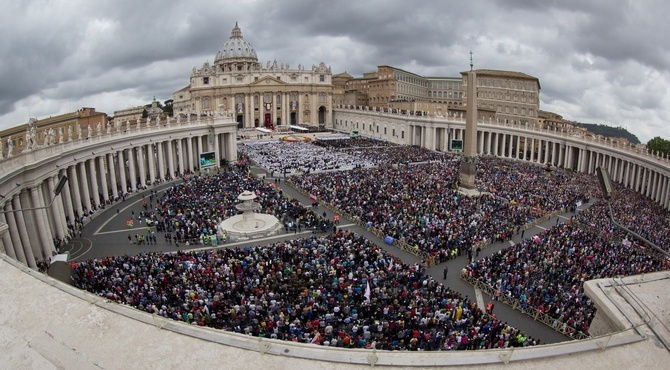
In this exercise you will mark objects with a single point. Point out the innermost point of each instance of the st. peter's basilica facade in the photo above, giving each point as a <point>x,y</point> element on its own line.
<point>269,96</point>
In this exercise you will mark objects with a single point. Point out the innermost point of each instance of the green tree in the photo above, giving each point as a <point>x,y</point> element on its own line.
<point>168,107</point>
<point>659,145</point>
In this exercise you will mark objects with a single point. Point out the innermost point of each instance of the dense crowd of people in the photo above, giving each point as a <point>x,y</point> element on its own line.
<point>337,290</point>
<point>189,211</point>
<point>547,272</point>
<point>420,206</point>
<point>315,289</point>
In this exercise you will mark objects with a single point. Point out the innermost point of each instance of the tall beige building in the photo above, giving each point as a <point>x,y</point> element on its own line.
<point>513,96</point>
<point>260,96</point>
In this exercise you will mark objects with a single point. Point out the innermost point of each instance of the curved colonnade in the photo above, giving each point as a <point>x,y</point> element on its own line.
<point>101,169</point>
<point>631,167</point>
<point>97,165</point>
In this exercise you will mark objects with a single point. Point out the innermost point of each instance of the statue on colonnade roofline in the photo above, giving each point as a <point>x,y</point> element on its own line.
<point>10,147</point>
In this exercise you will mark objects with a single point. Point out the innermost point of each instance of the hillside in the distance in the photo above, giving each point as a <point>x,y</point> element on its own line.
<point>609,131</point>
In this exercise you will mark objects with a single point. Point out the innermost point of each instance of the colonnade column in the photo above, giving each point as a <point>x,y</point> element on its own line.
<point>111,168</point>
<point>151,158</point>
<point>94,184</point>
<point>554,155</point>
<point>43,227</point>
<point>161,160</point>
<point>547,148</point>
<point>74,184</point>
<point>180,156</point>
<point>132,166</point>
<point>7,236</point>
<point>17,243</point>
<point>170,157</point>
<point>510,145</point>
<point>231,147</point>
<point>103,177</point>
<point>142,167</point>
<point>23,233</point>
<point>83,178</point>
<point>665,198</point>
<point>189,154</point>
<point>122,171</point>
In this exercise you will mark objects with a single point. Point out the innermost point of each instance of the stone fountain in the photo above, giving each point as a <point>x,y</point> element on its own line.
<point>249,224</point>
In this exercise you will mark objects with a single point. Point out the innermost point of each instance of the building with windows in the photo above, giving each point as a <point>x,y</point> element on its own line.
<point>267,96</point>
<point>514,96</point>
<point>50,130</point>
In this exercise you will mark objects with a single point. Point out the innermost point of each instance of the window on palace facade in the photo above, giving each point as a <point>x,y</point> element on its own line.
<point>238,99</point>
<point>322,98</point>
<point>205,103</point>
<point>402,134</point>
<point>205,80</point>
<point>224,81</point>
<point>255,99</point>
<point>322,78</point>
<point>306,79</point>
<point>239,79</point>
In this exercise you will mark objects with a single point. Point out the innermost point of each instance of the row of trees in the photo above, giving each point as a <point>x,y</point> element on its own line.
<point>659,145</point>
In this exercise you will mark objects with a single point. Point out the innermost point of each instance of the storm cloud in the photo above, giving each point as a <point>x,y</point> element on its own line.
<point>597,61</point>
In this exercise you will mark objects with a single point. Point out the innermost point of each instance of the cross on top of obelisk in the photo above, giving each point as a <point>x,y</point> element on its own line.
<point>471,64</point>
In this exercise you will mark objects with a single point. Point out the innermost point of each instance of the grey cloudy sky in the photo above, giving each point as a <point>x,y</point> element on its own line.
<point>598,61</point>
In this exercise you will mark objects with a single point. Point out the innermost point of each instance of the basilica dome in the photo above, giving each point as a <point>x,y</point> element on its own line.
<point>236,48</point>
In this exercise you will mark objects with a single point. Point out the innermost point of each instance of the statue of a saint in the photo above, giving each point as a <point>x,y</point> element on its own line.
<point>10,147</point>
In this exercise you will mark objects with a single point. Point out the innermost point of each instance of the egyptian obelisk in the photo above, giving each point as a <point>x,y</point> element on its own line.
<point>469,160</point>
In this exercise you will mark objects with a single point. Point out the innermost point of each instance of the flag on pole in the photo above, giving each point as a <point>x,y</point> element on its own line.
<point>312,197</point>
<point>367,291</point>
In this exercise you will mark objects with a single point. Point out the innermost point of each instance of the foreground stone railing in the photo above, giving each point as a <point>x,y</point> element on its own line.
<point>270,347</point>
